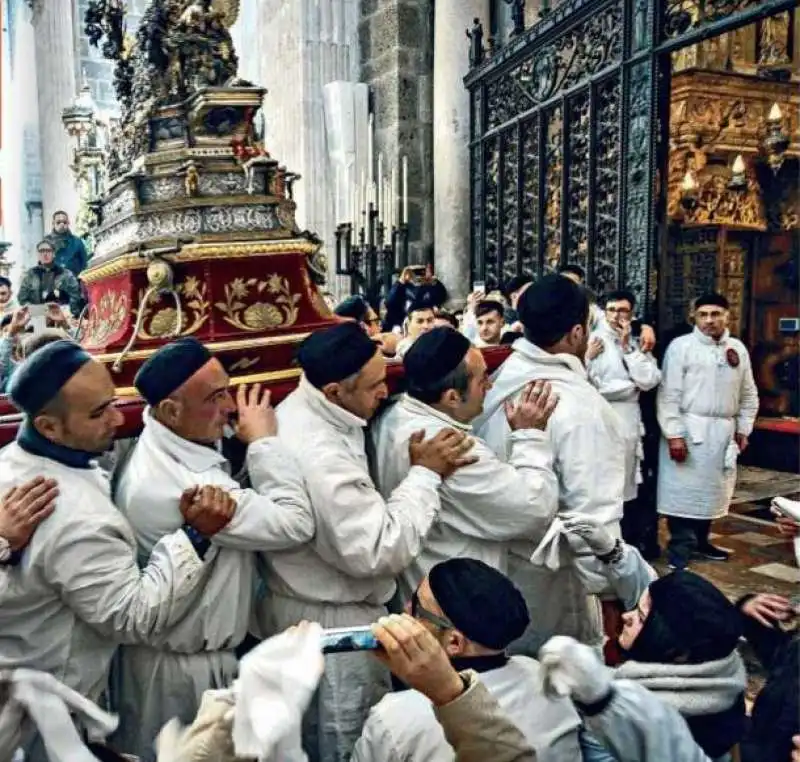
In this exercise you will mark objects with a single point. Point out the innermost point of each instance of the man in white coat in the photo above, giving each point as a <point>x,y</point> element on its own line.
<point>474,612</point>
<point>562,578</point>
<point>490,503</point>
<point>707,405</point>
<point>189,405</point>
<point>346,575</point>
<point>76,591</point>
<point>620,370</point>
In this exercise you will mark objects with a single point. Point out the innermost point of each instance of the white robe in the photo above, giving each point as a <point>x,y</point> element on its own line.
<point>404,727</point>
<point>78,590</point>
<point>346,574</point>
<point>167,678</point>
<point>589,460</point>
<point>619,376</point>
<point>484,505</point>
<point>705,400</point>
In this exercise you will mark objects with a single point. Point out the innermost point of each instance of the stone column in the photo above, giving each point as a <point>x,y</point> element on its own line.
<point>55,70</point>
<point>451,128</point>
<point>396,41</point>
<point>294,49</point>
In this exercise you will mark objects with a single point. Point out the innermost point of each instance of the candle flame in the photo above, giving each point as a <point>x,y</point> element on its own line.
<point>739,167</point>
<point>689,182</point>
<point>775,113</point>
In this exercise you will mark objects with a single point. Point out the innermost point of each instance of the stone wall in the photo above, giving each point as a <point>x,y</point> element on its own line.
<point>396,42</point>
<point>294,49</point>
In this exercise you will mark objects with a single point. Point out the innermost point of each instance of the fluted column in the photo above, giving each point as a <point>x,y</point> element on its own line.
<point>451,128</point>
<point>55,69</point>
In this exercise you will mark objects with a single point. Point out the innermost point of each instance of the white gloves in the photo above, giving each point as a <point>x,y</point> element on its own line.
<point>600,541</point>
<point>572,669</point>
<point>786,507</point>
<point>207,739</point>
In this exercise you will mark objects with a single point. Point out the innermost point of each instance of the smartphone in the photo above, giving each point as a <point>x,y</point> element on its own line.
<point>38,310</point>
<point>340,640</point>
<point>479,285</point>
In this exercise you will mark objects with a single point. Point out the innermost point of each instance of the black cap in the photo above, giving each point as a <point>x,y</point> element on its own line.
<point>690,620</point>
<point>170,368</point>
<point>354,307</point>
<point>712,299</point>
<point>335,353</point>
<point>41,376</point>
<point>435,354</point>
<point>481,602</point>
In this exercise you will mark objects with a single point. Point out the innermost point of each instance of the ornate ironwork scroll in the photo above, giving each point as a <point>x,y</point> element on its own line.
<point>546,187</point>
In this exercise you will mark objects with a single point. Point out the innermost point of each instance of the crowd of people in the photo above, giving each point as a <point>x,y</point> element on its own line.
<point>482,525</point>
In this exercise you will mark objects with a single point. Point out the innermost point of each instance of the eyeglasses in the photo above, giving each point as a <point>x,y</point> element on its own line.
<point>45,251</point>
<point>618,310</point>
<point>419,612</point>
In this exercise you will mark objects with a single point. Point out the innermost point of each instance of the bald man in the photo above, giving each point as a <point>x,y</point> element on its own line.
<point>76,591</point>
<point>190,405</point>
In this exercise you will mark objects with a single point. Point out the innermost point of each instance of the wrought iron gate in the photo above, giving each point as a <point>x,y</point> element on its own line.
<point>567,124</point>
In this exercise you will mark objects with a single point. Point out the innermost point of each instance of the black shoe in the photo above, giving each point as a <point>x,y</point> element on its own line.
<point>712,553</point>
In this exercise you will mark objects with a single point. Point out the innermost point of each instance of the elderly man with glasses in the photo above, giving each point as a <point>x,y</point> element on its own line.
<point>474,612</point>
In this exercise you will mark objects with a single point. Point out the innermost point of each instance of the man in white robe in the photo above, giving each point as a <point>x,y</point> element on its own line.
<point>620,370</point>
<point>490,503</point>
<point>562,579</point>
<point>707,405</point>
<point>346,575</point>
<point>76,591</point>
<point>474,612</point>
<point>187,390</point>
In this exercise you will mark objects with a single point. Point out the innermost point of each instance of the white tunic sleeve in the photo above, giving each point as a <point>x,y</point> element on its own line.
<point>276,514</point>
<point>500,501</point>
<point>376,743</point>
<point>643,370</point>
<point>748,399</point>
<point>96,575</point>
<point>638,727</point>
<point>670,418</point>
<point>356,530</point>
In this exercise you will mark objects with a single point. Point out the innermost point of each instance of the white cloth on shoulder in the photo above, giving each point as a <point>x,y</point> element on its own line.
<point>38,701</point>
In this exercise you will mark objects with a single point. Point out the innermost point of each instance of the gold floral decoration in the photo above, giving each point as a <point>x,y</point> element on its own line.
<point>243,363</point>
<point>104,319</point>
<point>194,311</point>
<point>280,312</point>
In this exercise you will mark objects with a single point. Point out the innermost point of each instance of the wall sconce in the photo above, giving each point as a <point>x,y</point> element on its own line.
<point>776,141</point>
<point>738,181</point>
<point>689,188</point>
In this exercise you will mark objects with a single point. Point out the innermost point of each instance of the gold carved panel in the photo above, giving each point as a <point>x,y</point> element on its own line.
<point>257,305</point>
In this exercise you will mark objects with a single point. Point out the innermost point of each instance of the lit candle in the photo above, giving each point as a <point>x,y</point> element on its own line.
<point>370,147</point>
<point>689,183</point>
<point>775,113</point>
<point>739,167</point>
<point>405,190</point>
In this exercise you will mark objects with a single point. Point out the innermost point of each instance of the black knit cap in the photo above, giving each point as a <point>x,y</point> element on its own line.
<point>711,299</point>
<point>690,622</point>
<point>354,307</point>
<point>435,354</point>
<point>40,377</point>
<point>335,353</point>
<point>481,602</point>
<point>170,368</point>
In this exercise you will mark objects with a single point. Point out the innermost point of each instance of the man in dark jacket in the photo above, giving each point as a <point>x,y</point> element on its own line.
<point>48,282</point>
<point>70,251</point>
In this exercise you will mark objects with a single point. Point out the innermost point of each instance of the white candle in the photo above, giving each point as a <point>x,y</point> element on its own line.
<point>370,147</point>
<point>392,198</point>
<point>405,190</point>
<point>337,191</point>
<point>380,174</point>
